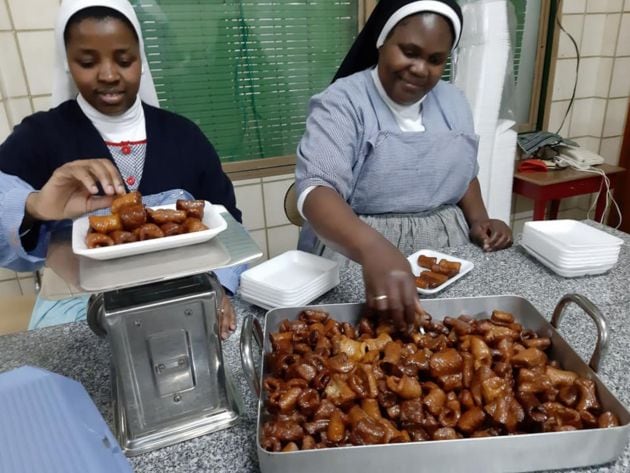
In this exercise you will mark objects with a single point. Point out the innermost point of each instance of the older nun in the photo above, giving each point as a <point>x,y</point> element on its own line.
<point>388,162</point>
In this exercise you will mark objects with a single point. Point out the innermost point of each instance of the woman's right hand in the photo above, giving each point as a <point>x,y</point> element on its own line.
<point>72,190</point>
<point>390,286</point>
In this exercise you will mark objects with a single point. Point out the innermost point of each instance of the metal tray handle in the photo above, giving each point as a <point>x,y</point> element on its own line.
<point>251,329</point>
<point>594,313</point>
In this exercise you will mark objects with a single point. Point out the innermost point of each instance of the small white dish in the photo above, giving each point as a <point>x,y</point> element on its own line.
<point>211,218</point>
<point>466,266</point>
<point>290,272</point>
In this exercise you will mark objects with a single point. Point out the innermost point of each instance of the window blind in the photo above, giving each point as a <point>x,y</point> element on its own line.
<point>245,70</point>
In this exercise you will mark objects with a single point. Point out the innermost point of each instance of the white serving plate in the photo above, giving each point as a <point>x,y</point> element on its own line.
<point>571,234</point>
<point>290,272</point>
<point>211,218</point>
<point>413,261</point>
<point>568,272</point>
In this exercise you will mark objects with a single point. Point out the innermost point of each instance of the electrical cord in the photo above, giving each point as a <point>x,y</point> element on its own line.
<point>577,70</point>
<point>605,184</point>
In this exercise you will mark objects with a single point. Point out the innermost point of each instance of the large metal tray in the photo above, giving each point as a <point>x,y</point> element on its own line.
<point>519,453</point>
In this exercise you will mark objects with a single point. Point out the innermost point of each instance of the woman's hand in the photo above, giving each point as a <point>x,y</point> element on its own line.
<point>491,234</point>
<point>227,318</point>
<point>390,285</point>
<point>71,190</point>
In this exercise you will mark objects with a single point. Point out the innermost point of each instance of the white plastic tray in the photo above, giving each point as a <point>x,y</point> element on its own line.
<point>572,234</point>
<point>290,272</point>
<point>568,259</point>
<point>413,261</point>
<point>568,272</point>
<point>211,218</point>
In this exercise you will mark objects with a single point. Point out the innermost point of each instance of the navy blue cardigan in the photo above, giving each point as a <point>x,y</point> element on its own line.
<point>178,155</point>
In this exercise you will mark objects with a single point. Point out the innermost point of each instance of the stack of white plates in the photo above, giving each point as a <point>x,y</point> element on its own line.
<point>571,248</point>
<point>291,279</point>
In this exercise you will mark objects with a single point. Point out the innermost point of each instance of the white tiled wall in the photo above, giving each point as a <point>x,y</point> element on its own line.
<point>262,204</point>
<point>601,29</point>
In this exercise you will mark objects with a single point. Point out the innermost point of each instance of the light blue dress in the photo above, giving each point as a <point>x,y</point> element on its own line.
<point>404,184</point>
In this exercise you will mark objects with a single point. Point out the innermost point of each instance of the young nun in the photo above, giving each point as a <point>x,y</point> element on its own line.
<point>106,131</point>
<point>388,162</point>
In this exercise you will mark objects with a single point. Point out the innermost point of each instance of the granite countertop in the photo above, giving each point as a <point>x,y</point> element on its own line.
<point>73,350</point>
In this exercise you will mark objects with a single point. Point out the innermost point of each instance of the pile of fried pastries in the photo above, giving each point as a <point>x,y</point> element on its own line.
<point>131,221</point>
<point>438,272</point>
<point>331,384</point>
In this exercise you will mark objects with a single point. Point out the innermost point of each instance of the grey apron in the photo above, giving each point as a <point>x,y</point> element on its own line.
<point>407,188</point>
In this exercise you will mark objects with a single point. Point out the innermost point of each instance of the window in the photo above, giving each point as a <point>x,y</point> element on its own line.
<point>244,70</point>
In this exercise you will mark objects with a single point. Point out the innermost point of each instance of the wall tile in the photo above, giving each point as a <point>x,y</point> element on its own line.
<point>42,103</point>
<point>573,6</point>
<point>573,214</point>
<point>589,142</point>
<point>260,237</point>
<point>7,274</point>
<point>594,77</point>
<point>611,31</point>
<point>246,182</point>
<point>5,127</point>
<point>282,177</point>
<point>10,288</point>
<point>11,74</point>
<point>564,79</point>
<point>281,239</point>
<point>522,205</point>
<point>24,18</point>
<point>620,84</point>
<point>626,6</point>
<point>598,6</point>
<point>556,115</point>
<point>274,202</point>
<point>587,118</point>
<point>615,121</point>
<point>249,200</point>
<point>593,35</point>
<point>18,109</point>
<point>573,24</point>
<point>5,22</point>
<point>610,148</point>
<point>38,53</point>
<point>623,41</point>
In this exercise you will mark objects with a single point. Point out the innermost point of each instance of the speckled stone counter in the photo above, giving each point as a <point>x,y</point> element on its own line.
<point>73,350</point>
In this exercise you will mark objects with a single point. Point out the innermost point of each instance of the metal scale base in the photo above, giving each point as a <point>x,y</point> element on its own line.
<point>169,382</point>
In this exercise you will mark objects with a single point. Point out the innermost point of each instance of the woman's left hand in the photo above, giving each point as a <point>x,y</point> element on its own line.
<point>227,318</point>
<point>491,234</point>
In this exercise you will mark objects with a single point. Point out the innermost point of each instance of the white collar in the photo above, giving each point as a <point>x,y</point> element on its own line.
<point>130,126</point>
<point>408,117</point>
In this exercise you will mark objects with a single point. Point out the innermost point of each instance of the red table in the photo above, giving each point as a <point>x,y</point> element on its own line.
<point>552,186</point>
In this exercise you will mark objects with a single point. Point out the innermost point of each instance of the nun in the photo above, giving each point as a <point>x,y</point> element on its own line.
<point>388,161</point>
<point>104,136</point>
